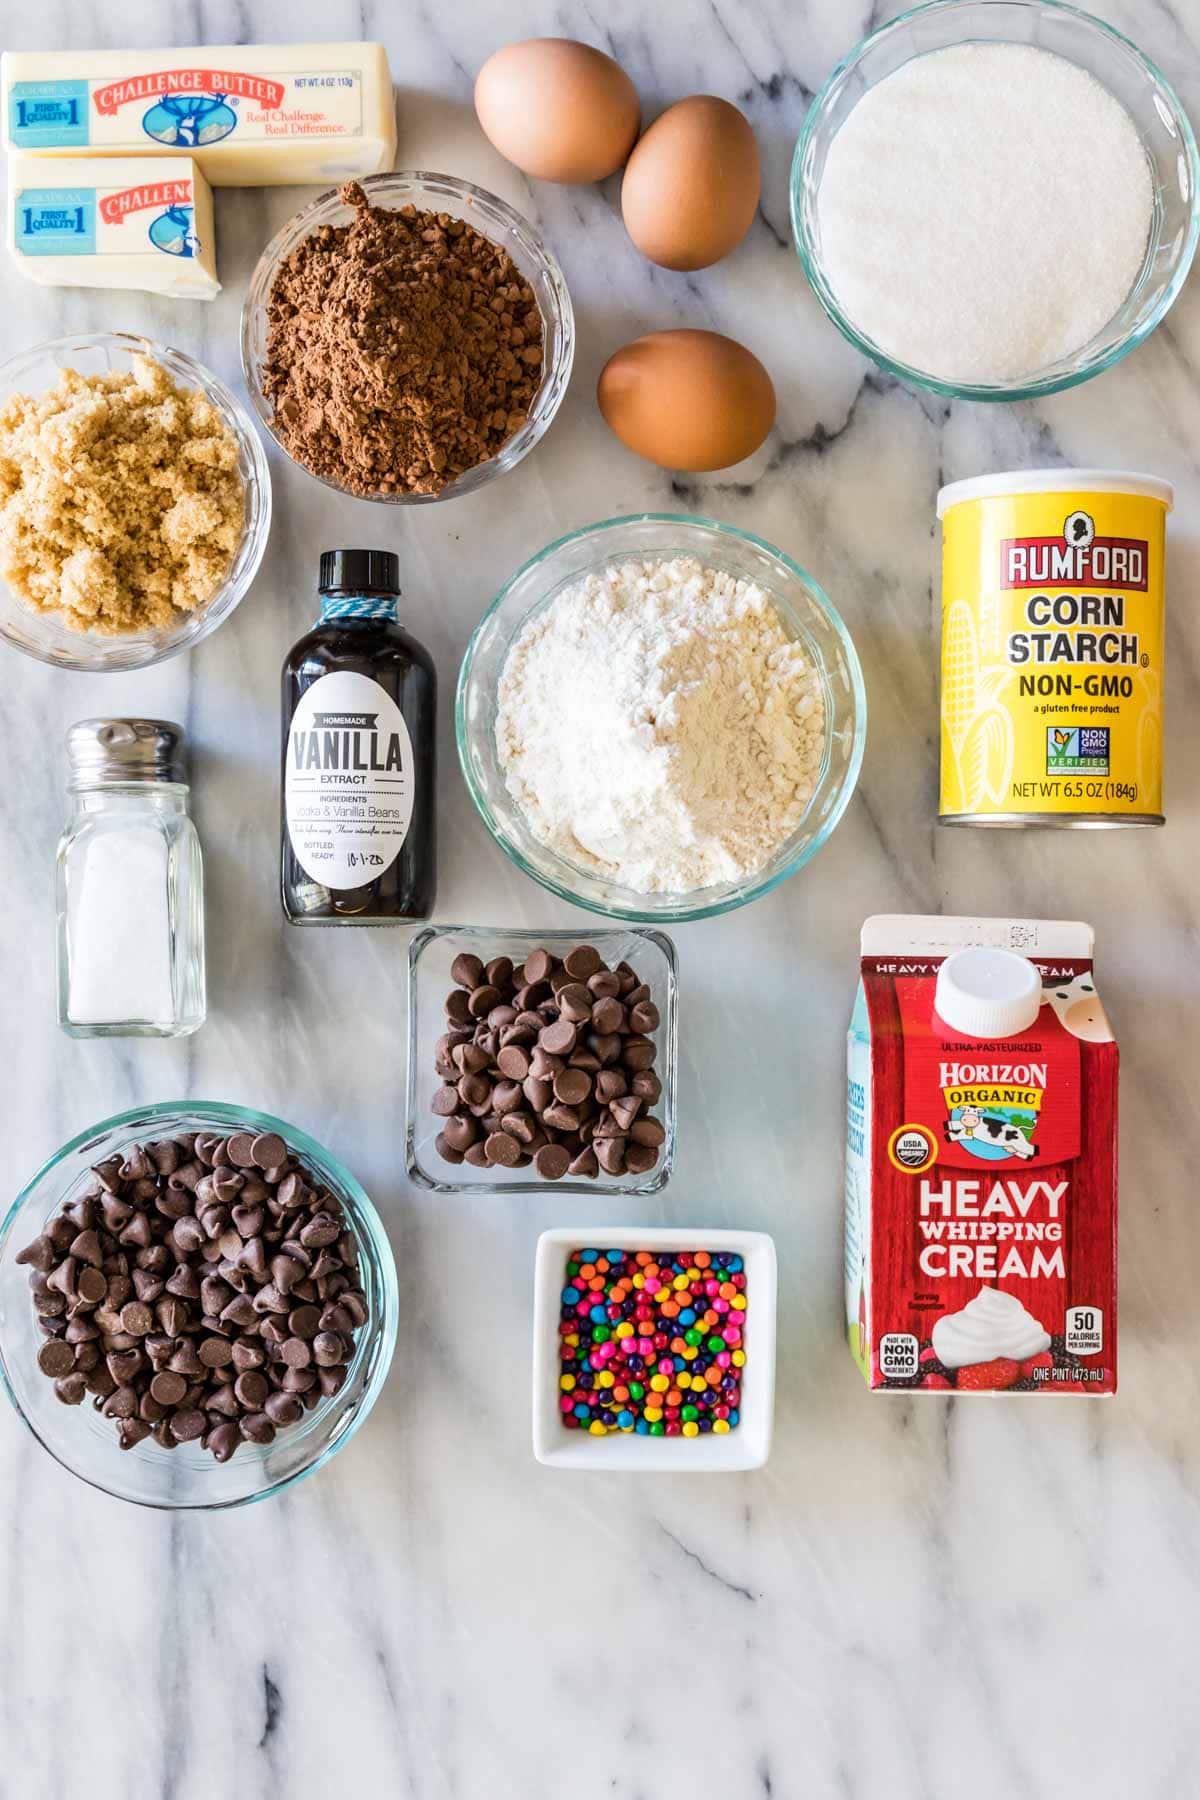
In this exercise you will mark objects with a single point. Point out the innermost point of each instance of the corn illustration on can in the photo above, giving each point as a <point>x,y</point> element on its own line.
<point>1052,648</point>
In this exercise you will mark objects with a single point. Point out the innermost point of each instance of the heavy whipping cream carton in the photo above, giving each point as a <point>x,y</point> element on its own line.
<point>981,1160</point>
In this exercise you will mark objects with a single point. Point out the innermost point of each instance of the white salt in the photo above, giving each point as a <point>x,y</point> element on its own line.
<point>984,211</point>
<point>119,926</point>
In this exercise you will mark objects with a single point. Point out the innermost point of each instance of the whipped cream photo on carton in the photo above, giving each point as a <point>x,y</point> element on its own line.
<point>981,1160</point>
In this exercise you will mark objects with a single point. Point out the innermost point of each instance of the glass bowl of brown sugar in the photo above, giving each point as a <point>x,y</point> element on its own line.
<point>409,342</point>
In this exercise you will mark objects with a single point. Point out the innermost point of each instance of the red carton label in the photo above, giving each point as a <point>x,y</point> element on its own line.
<point>981,1190</point>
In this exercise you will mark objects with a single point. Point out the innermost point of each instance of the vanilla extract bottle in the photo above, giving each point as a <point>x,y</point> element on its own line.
<point>358,838</point>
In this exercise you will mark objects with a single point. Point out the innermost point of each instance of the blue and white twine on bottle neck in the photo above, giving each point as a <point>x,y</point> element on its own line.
<point>358,606</point>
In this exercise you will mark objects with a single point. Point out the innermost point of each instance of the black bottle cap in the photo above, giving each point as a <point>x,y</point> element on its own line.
<point>359,572</point>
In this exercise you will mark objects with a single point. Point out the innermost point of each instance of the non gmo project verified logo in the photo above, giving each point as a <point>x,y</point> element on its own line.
<point>1077,750</point>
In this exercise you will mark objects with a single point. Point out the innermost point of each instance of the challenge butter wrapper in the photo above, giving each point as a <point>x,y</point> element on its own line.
<point>251,115</point>
<point>144,222</point>
<point>981,1172</point>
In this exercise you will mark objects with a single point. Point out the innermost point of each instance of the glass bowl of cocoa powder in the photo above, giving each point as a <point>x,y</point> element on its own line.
<point>407,338</point>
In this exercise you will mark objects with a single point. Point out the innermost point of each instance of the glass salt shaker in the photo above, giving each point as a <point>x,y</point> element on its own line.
<point>130,885</point>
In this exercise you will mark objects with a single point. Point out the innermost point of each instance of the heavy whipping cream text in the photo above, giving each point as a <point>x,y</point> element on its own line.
<point>981,1160</point>
<point>993,1229</point>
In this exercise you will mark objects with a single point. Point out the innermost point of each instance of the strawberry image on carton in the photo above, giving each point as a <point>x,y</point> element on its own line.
<point>981,1160</point>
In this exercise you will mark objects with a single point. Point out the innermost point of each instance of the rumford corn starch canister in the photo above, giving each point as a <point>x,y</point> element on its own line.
<point>1052,648</point>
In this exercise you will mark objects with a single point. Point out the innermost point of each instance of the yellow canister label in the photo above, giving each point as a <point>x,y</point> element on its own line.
<point>1052,654</point>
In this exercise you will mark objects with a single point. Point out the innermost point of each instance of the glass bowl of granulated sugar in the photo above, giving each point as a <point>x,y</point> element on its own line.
<point>996,199</point>
<point>661,718</point>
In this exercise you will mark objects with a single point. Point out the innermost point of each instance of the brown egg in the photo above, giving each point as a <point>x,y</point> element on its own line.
<point>559,110</point>
<point>687,399</point>
<point>691,186</point>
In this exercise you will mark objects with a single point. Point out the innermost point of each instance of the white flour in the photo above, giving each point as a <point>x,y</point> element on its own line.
<point>984,211</point>
<point>656,723</point>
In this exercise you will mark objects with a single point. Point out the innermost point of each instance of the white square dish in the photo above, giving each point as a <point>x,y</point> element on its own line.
<point>745,1447</point>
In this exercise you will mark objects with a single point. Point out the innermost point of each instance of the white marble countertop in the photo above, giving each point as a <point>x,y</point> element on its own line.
<point>911,1600</point>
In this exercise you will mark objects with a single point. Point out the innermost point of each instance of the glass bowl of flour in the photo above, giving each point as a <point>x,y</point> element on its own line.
<point>661,717</point>
<point>996,199</point>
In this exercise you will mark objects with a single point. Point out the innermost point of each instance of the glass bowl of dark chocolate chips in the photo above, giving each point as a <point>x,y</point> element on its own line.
<point>197,1305</point>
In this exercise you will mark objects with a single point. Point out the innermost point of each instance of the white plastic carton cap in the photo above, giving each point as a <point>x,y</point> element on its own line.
<point>988,993</point>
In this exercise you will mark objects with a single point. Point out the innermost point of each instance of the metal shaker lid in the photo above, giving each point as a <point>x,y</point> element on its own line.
<point>104,751</point>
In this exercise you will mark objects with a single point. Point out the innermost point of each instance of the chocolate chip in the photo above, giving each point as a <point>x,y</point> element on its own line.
<point>258,1428</point>
<point>56,1358</point>
<point>460,1132</point>
<point>582,962</point>
<point>71,1389</point>
<point>240,1149</point>
<point>558,1039</point>
<point>92,1286</point>
<point>268,1151</point>
<point>625,1109</point>
<point>252,1390</point>
<point>466,970</point>
<point>552,1162</point>
<point>168,1389</point>
<point>502,1147</point>
<point>136,1318</point>
<point>481,1002</point>
<point>283,1409</point>
<point>328,1349</point>
<point>639,1158</point>
<point>647,1086</point>
<point>538,966</point>
<point>610,1154</point>
<point>513,1061</point>
<point>187,1425</point>
<point>571,1086</point>
<point>608,1017</point>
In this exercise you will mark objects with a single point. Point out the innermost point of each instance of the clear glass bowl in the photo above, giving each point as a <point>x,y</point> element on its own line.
<point>187,1477</point>
<point>491,217</point>
<point>429,981</point>
<point>807,615</point>
<point>1119,66</point>
<point>97,353</point>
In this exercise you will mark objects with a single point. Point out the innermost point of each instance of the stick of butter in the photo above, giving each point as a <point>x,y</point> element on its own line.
<point>251,115</point>
<point>113,222</point>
